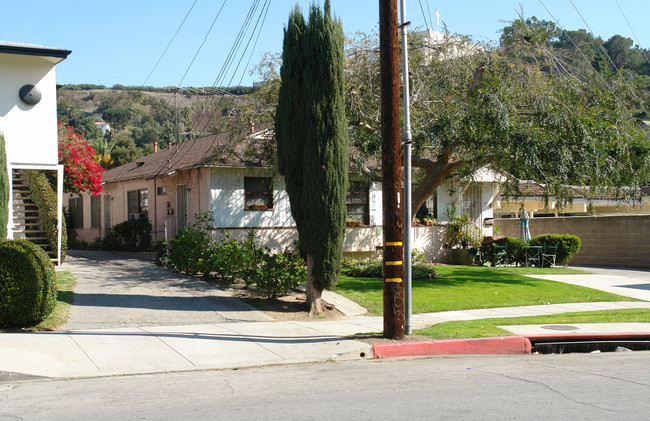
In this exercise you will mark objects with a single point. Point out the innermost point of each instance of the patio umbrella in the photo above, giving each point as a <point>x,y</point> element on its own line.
<point>524,232</point>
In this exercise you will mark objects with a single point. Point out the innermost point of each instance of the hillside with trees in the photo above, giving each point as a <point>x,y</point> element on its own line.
<point>140,116</point>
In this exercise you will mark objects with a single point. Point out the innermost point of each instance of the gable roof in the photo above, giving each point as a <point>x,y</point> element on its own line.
<point>219,150</point>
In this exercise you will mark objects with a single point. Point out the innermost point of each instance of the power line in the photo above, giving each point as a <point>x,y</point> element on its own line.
<point>633,33</point>
<point>429,12</point>
<point>235,48</point>
<point>170,43</point>
<point>423,15</point>
<point>266,12</point>
<point>203,43</point>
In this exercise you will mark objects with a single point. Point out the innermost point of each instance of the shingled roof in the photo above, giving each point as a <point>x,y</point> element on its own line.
<point>219,150</point>
<point>532,189</point>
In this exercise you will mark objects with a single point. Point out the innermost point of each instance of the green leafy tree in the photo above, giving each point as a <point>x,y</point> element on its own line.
<point>312,142</point>
<point>519,108</point>
<point>124,149</point>
<point>119,117</point>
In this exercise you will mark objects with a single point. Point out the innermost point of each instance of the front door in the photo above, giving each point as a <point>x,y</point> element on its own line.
<point>181,206</point>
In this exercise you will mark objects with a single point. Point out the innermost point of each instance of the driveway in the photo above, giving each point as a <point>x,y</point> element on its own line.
<point>114,291</point>
<point>634,283</point>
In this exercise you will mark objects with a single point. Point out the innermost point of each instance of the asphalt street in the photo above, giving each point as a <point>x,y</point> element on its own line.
<point>546,387</point>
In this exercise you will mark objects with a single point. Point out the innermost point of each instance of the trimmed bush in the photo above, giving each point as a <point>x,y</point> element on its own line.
<point>27,283</point>
<point>514,251</point>
<point>566,245</point>
<point>132,235</point>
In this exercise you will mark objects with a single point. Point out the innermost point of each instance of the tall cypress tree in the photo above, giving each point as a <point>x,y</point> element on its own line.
<point>313,147</point>
<point>4,190</point>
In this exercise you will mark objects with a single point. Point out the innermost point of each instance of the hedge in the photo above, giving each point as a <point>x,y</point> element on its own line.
<point>27,283</point>
<point>514,251</point>
<point>566,245</point>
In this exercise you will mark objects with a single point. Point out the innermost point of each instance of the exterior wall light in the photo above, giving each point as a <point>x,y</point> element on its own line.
<point>30,94</point>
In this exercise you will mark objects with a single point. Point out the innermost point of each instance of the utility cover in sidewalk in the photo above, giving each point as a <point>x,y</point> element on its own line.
<point>560,327</point>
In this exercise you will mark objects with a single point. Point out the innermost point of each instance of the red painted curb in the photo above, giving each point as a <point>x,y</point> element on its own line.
<point>501,345</point>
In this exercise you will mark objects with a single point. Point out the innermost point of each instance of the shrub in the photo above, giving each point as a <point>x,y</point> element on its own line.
<point>46,201</point>
<point>189,248</point>
<point>225,259</point>
<point>27,283</point>
<point>134,235</point>
<point>566,245</point>
<point>514,251</point>
<point>279,273</point>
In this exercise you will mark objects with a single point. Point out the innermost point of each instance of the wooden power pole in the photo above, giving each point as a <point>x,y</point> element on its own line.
<point>391,171</point>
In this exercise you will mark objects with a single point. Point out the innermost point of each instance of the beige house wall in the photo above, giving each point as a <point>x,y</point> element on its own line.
<point>613,240</point>
<point>164,219</point>
<point>360,242</point>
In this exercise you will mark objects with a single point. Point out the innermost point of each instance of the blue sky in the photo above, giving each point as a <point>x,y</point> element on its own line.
<point>120,41</point>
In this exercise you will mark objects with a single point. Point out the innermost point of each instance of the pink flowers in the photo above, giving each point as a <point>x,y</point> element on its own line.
<point>82,173</point>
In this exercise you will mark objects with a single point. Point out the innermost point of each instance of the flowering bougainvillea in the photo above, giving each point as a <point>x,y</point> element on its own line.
<point>82,173</point>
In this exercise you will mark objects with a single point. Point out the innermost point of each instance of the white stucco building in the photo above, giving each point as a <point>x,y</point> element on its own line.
<point>28,119</point>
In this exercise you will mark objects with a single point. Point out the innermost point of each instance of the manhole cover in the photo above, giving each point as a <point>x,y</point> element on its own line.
<point>560,327</point>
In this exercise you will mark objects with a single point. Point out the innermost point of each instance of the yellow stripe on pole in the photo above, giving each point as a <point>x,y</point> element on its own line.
<point>393,279</point>
<point>397,263</point>
<point>394,244</point>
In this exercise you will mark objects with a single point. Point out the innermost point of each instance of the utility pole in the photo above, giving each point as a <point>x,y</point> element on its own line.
<point>391,171</point>
<point>408,229</point>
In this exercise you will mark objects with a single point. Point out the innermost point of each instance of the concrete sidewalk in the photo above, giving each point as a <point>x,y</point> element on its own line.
<point>105,352</point>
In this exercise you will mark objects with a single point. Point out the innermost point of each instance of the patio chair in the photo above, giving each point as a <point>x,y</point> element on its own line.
<point>548,256</point>
<point>533,256</point>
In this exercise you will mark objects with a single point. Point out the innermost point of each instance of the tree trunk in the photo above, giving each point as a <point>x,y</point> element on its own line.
<point>435,174</point>
<point>314,295</point>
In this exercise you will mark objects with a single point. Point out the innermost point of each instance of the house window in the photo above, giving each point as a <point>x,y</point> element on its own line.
<point>95,211</point>
<point>357,202</point>
<point>76,209</point>
<point>258,193</point>
<point>161,191</point>
<point>137,203</point>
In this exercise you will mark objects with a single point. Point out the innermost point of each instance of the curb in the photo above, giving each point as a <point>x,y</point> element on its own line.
<point>497,345</point>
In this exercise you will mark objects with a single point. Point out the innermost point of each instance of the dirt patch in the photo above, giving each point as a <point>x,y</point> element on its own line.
<point>377,338</point>
<point>291,307</point>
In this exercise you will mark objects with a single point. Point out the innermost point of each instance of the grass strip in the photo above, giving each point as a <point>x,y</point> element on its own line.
<point>65,283</point>
<point>488,327</point>
<point>470,287</point>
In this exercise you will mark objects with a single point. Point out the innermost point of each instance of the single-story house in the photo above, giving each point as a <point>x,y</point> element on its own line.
<point>532,196</point>
<point>28,124</point>
<point>243,192</point>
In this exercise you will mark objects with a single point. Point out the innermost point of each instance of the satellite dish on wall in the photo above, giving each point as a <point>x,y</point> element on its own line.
<point>30,94</point>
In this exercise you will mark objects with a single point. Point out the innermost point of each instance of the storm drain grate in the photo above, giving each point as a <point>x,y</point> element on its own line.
<point>587,346</point>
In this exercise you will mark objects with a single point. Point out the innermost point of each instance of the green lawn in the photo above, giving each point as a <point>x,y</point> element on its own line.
<point>488,327</point>
<point>65,285</point>
<point>465,287</point>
